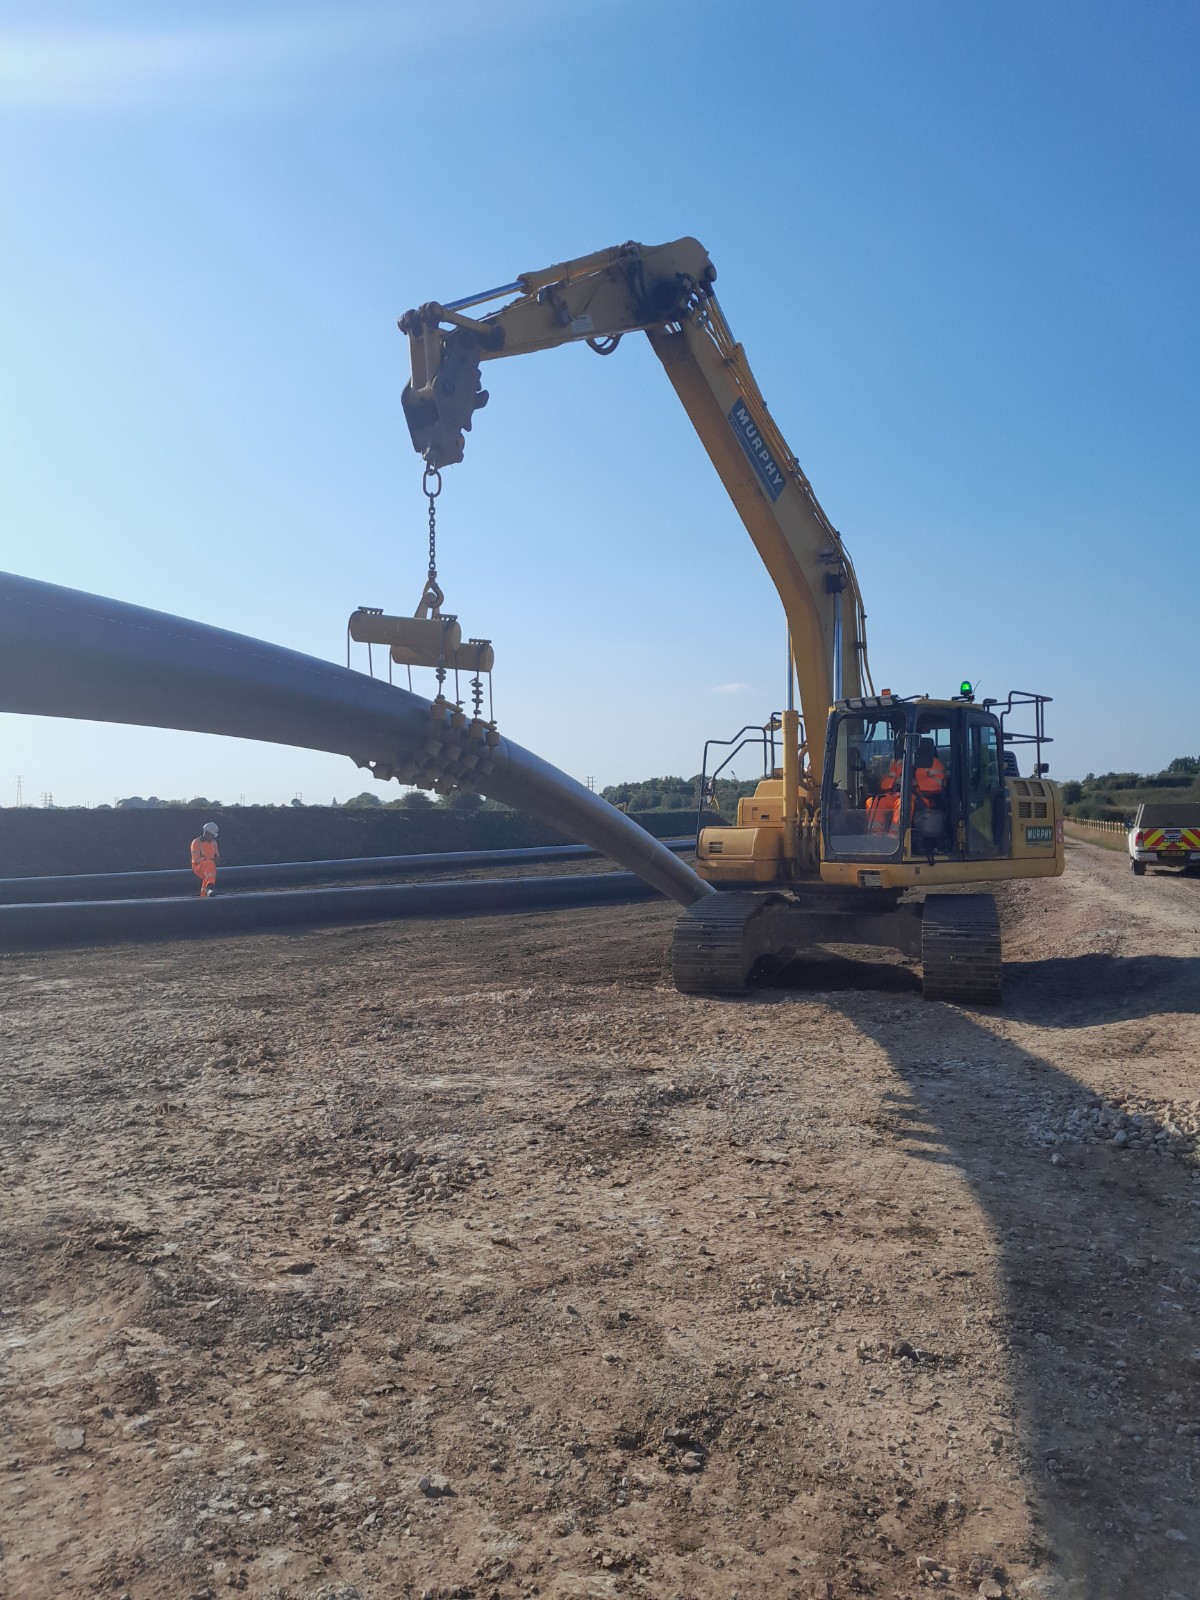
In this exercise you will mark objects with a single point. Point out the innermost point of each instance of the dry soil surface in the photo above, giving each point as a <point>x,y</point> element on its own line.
<point>469,1259</point>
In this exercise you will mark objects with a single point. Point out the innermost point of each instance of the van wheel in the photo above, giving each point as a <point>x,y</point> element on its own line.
<point>1138,868</point>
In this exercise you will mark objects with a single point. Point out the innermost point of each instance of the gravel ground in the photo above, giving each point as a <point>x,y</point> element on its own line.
<point>471,1260</point>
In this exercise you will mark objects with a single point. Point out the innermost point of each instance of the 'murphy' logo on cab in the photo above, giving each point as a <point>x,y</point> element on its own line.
<point>761,459</point>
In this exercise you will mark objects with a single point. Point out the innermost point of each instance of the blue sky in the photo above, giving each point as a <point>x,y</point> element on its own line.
<point>958,242</point>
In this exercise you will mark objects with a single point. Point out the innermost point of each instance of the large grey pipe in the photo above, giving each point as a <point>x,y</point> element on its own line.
<point>64,653</point>
<point>181,881</point>
<point>33,927</point>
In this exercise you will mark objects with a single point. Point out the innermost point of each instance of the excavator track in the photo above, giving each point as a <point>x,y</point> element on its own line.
<point>726,941</point>
<point>718,942</point>
<point>960,949</point>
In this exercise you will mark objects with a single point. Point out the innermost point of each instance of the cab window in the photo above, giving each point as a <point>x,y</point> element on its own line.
<point>986,801</point>
<point>863,810</point>
<point>933,778</point>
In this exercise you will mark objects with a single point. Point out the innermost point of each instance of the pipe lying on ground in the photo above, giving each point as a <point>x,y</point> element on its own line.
<point>35,927</point>
<point>64,653</point>
<point>282,874</point>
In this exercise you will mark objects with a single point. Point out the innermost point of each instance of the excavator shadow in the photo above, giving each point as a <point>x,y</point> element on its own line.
<point>1061,992</point>
<point>832,971</point>
<point>1086,990</point>
<point>1093,1266</point>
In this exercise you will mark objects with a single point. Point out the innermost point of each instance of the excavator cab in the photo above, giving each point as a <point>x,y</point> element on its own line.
<point>920,781</point>
<point>913,793</point>
<point>920,791</point>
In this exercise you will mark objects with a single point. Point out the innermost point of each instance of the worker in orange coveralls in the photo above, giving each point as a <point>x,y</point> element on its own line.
<point>929,787</point>
<point>205,856</point>
<point>883,809</point>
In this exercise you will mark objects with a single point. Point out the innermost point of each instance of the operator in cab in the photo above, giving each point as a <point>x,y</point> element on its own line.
<point>929,777</point>
<point>883,808</point>
<point>928,790</point>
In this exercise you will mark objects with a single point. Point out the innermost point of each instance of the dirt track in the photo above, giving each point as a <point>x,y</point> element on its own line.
<point>472,1260</point>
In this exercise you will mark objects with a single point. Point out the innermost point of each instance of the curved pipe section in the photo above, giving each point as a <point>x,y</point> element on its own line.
<point>285,874</point>
<point>64,653</point>
<point>35,927</point>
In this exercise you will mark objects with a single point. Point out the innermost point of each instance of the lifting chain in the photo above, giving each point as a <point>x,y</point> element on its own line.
<point>431,606</point>
<point>431,485</point>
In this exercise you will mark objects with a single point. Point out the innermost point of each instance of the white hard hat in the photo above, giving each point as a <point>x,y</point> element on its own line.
<point>210,827</point>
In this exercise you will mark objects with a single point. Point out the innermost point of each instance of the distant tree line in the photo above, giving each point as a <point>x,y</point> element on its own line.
<point>419,800</point>
<point>134,802</point>
<point>1112,796</point>
<point>677,794</point>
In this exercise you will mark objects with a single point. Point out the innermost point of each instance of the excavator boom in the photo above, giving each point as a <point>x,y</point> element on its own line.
<point>666,292</point>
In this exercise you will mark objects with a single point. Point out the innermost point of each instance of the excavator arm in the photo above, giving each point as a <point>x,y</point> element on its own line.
<point>666,292</point>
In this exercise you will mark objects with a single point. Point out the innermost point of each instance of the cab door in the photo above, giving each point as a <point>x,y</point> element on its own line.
<point>985,798</point>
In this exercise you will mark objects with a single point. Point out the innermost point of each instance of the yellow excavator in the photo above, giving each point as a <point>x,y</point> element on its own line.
<point>867,798</point>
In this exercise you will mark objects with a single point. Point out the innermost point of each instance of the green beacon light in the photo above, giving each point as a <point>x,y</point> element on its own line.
<point>966,690</point>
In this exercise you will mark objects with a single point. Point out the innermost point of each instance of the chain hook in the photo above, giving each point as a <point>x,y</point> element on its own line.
<point>430,604</point>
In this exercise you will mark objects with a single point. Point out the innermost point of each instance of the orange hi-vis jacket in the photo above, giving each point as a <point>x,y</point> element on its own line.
<point>203,850</point>
<point>928,784</point>
<point>204,862</point>
<point>884,807</point>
